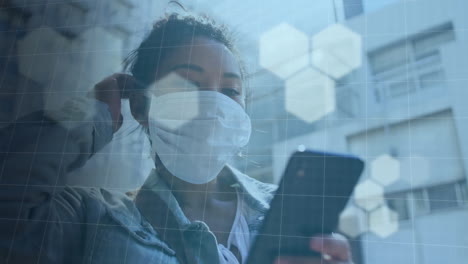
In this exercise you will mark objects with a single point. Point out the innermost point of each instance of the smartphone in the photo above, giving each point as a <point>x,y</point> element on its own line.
<point>315,188</point>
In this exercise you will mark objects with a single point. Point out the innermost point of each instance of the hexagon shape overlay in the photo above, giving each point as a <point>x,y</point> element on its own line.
<point>336,50</point>
<point>368,195</point>
<point>385,169</point>
<point>102,49</point>
<point>353,221</point>
<point>310,95</point>
<point>284,50</point>
<point>383,222</point>
<point>172,83</point>
<point>40,50</point>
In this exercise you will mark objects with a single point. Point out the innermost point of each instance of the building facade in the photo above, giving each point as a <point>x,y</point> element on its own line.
<point>408,123</point>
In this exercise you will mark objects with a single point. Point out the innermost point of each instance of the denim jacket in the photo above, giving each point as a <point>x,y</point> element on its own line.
<point>44,221</point>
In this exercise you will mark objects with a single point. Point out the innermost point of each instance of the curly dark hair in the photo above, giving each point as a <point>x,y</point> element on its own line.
<point>174,30</point>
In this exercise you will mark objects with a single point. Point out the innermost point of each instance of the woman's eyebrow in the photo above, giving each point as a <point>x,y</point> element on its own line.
<point>231,75</point>
<point>187,66</point>
<point>197,68</point>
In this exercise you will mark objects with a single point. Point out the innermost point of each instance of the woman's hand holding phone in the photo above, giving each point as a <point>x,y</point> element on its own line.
<point>334,248</point>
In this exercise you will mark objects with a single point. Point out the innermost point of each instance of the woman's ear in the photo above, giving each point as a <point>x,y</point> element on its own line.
<point>139,106</point>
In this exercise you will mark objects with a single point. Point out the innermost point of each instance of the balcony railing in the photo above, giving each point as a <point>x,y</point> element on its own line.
<point>424,73</point>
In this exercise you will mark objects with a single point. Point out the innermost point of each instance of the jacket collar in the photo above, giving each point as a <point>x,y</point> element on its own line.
<point>155,184</point>
<point>124,211</point>
<point>256,193</point>
<point>134,217</point>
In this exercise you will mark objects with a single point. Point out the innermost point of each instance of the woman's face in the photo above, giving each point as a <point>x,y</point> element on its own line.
<point>206,64</point>
<point>202,64</point>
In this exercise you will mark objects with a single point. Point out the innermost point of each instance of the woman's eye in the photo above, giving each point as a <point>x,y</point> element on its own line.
<point>230,92</point>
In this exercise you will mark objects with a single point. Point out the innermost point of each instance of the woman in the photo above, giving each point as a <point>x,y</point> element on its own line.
<point>193,208</point>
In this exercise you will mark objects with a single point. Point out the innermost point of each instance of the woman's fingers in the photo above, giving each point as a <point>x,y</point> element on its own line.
<point>108,91</point>
<point>334,247</point>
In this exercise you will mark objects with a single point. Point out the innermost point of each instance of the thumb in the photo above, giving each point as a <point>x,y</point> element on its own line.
<point>335,246</point>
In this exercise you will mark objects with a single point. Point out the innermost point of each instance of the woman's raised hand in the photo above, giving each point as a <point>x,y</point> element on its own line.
<point>110,91</point>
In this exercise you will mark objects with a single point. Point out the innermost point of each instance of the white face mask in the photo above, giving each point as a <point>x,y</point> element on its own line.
<point>196,133</point>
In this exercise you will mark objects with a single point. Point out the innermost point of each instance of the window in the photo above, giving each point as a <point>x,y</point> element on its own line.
<point>464,192</point>
<point>428,200</point>
<point>390,58</point>
<point>373,5</point>
<point>431,41</point>
<point>352,8</point>
<point>419,202</point>
<point>442,197</point>
<point>411,65</point>
<point>431,79</point>
<point>398,202</point>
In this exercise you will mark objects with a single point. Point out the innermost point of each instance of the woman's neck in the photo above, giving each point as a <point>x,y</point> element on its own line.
<point>189,194</point>
<point>196,196</point>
